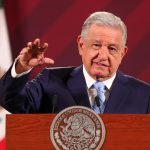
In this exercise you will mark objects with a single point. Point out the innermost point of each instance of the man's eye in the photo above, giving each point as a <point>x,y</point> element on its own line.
<point>112,50</point>
<point>96,46</point>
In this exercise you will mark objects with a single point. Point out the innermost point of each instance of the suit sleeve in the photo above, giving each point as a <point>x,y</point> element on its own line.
<point>149,106</point>
<point>18,95</point>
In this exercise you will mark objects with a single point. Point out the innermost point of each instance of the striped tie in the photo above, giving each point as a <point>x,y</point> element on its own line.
<point>99,106</point>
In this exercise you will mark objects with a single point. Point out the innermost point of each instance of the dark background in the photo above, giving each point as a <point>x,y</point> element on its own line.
<point>59,22</point>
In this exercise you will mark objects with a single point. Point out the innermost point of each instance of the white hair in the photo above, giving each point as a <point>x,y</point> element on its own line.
<point>104,19</point>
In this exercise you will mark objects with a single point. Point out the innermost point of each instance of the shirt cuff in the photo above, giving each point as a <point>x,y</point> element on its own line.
<point>13,71</point>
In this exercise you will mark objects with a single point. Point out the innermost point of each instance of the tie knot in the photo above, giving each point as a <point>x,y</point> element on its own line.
<point>99,86</point>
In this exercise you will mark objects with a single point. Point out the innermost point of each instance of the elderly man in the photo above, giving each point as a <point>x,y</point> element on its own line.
<point>97,83</point>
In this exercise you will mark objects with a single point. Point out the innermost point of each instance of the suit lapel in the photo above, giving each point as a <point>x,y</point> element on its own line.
<point>118,95</point>
<point>77,87</point>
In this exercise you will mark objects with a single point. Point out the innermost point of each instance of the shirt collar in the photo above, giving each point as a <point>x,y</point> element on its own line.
<point>90,81</point>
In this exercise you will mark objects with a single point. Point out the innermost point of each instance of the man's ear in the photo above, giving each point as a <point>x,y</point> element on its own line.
<point>80,44</point>
<point>124,51</point>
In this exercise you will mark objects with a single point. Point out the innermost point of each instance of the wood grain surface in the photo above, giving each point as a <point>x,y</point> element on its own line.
<point>32,132</point>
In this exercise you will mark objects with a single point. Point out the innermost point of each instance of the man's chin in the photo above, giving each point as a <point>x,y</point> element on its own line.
<point>101,75</point>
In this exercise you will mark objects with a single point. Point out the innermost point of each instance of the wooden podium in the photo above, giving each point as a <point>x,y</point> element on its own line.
<point>32,132</point>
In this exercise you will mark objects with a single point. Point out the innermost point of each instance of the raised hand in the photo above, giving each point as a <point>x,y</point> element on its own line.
<point>32,56</point>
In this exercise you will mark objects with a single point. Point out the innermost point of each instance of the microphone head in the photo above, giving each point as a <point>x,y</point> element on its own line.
<point>95,97</point>
<point>93,92</point>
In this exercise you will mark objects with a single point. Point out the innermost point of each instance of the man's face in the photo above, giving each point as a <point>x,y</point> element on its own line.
<point>101,51</point>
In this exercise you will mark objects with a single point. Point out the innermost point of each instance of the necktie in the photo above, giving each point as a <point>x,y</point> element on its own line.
<point>100,88</point>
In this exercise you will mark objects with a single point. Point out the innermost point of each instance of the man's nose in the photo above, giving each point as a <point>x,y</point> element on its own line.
<point>103,52</point>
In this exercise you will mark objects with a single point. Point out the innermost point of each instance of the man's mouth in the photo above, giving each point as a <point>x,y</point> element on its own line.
<point>101,64</point>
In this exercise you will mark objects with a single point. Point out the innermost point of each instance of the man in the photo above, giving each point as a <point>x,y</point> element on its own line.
<point>102,46</point>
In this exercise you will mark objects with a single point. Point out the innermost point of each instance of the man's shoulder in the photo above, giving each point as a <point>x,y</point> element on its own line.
<point>135,82</point>
<point>60,72</point>
<point>60,68</point>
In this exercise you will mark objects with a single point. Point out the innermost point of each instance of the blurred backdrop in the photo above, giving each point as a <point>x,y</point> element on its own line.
<point>59,22</point>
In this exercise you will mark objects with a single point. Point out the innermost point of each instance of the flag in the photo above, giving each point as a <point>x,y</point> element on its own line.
<point>5,52</point>
<point>3,113</point>
<point>5,62</point>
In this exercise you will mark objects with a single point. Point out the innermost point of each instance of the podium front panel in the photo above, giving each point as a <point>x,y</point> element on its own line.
<point>32,132</point>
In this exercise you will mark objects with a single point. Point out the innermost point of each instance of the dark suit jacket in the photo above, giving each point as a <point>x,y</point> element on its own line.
<point>128,95</point>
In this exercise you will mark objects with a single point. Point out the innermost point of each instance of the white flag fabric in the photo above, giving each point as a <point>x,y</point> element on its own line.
<point>5,62</point>
<point>5,52</point>
<point>3,113</point>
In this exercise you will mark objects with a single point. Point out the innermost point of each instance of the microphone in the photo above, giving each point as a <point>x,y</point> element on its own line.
<point>97,101</point>
<point>54,102</point>
<point>95,97</point>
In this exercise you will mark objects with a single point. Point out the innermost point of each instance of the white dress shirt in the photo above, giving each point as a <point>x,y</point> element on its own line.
<point>91,91</point>
<point>13,71</point>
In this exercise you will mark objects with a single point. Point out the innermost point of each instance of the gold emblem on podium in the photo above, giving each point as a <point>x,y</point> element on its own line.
<point>77,128</point>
